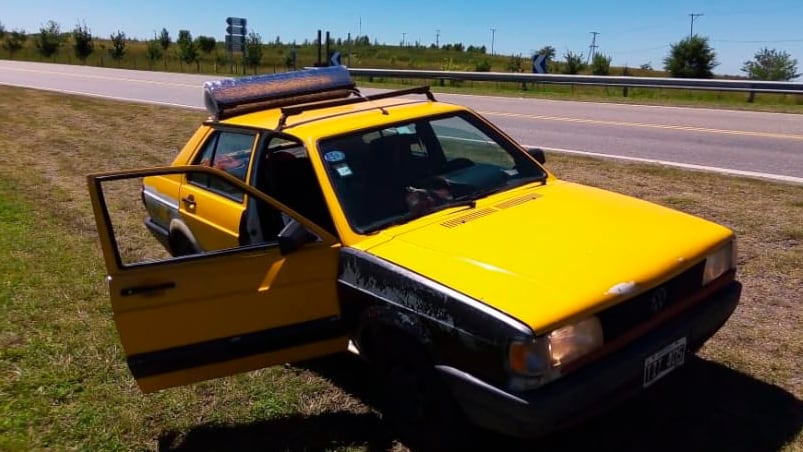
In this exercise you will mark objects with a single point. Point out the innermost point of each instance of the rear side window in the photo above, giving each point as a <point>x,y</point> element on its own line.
<point>228,151</point>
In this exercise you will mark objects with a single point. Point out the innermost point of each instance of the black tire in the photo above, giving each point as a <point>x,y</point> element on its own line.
<point>181,245</point>
<point>417,404</point>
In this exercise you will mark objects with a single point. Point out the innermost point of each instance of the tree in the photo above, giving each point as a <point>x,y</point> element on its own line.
<point>253,50</point>
<point>187,48</point>
<point>601,64</point>
<point>14,41</point>
<point>771,64</point>
<point>82,42</point>
<point>691,57</point>
<point>48,41</point>
<point>548,52</point>
<point>2,30</point>
<point>206,44</point>
<point>155,51</point>
<point>574,63</point>
<point>117,51</point>
<point>164,39</point>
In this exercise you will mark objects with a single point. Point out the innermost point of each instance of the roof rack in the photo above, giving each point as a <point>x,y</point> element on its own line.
<point>298,109</point>
<point>231,97</point>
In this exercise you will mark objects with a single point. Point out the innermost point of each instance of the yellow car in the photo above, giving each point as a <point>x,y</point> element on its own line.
<point>303,219</point>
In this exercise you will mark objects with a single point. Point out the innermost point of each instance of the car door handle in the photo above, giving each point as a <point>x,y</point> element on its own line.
<point>189,200</point>
<point>148,289</point>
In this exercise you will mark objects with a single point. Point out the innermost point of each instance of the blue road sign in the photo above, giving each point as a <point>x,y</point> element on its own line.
<point>235,39</point>
<point>236,30</point>
<point>235,43</point>
<point>334,59</point>
<point>236,21</point>
<point>539,64</point>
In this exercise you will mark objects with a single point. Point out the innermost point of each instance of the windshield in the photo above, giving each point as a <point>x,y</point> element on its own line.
<point>394,174</point>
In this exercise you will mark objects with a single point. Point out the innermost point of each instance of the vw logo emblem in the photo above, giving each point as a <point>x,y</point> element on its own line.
<point>658,299</point>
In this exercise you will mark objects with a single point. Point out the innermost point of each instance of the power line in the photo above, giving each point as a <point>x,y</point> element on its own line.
<point>739,41</point>
<point>694,17</point>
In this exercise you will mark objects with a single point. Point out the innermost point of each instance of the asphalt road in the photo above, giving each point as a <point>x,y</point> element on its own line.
<point>739,142</point>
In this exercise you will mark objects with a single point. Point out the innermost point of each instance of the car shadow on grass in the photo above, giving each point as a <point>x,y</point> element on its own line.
<point>706,406</point>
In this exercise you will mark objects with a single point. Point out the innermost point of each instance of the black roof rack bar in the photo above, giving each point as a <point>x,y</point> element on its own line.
<point>298,109</point>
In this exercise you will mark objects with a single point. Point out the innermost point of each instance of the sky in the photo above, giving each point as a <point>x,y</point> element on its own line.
<point>631,32</point>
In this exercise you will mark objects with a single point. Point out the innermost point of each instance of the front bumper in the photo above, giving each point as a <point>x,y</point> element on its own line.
<point>592,389</point>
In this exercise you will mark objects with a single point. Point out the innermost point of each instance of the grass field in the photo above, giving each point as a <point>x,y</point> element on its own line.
<point>64,384</point>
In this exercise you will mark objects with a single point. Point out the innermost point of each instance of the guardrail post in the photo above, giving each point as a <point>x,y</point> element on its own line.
<point>751,96</point>
<point>624,91</point>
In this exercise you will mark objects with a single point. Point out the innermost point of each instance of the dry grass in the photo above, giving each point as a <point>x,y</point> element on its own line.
<point>63,380</point>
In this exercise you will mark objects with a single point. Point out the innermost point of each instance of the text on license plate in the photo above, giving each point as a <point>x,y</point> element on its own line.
<point>664,361</point>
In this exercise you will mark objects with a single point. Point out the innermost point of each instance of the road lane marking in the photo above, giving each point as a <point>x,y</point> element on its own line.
<point>781,136</point>
<point>103,77</point>
<point>691,166</point>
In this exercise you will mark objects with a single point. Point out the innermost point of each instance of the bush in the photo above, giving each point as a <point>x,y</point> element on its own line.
<point>601,64</point>
<point>574,63</point>
<point>483,66</point>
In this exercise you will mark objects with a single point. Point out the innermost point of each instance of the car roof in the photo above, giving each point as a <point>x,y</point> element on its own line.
<point>335,120</point>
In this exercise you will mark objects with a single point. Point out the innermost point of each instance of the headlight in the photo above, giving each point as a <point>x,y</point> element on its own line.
<point>719,262</point>
<point>538,361</point>
<point>573,341</point>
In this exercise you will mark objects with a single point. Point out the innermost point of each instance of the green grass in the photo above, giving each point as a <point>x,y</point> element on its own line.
<point>423,58</point>
<point>64,384</point>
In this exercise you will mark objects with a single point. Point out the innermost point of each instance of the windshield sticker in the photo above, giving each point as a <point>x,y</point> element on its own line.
<point>405,130</point>
<point>343,170</point>
<point>334,156</point>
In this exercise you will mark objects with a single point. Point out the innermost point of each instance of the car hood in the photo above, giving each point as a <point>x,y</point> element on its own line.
<point>549,254</point>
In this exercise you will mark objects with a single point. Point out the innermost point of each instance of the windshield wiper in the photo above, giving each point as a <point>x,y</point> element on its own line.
<point>470,203</point>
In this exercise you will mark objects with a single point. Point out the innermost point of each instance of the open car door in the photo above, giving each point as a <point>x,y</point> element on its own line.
<point>185,319</point>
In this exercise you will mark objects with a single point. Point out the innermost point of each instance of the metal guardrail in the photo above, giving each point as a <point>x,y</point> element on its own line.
<point>747,86</point>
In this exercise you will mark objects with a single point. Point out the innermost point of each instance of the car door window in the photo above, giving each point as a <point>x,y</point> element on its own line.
<point>229,151</point>
<point>286,174</point>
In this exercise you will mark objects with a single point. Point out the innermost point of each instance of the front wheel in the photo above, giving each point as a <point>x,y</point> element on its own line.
<point>419,407</point>
<point>181,245</point>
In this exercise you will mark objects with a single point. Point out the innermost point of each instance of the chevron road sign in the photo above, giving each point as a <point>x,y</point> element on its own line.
<point>539,64</point>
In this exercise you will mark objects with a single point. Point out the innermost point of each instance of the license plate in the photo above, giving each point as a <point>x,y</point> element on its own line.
<point>664,361</point>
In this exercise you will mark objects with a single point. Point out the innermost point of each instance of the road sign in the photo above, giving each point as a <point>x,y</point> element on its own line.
<point>236,21</point>
<point>236,30</point>
<point>235,39</point>
<point>334,59</point>
<point>539,64</point>
<point>235,43</point>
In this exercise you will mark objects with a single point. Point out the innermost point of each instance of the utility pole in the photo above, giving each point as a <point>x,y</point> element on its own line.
<point>404,35</point>
<point>694,17</point>
<point>592,49</point>
<point>493,35</point>
<point>438,39</point>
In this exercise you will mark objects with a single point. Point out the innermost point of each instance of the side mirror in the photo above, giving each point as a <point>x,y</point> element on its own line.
<point>537,154</point>
<point>293,237</point>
